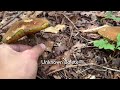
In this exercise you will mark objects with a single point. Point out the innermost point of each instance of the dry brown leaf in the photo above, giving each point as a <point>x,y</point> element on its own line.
<point>116,76</point>
<point>60,49</point>
<point>100,14</point>
<point>118,14</point>
<point>3,21</point>
<point>56,77</point>
<point>49,45</point>
<point>57,67</point>
<point>93,36</point>
<point>54,68</point>
<point>93,77</point>
<point>35,14</point>
<point>78,45</point>
<point>88,76</point>
<point>54,29</point>
<point>52,13</point>
<point>74,19</point>
<point>26,14</point>
<point>67,55</point>
<point>74,74</point>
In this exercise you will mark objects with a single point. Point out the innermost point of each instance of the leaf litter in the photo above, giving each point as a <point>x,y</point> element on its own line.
<point>66,42</point>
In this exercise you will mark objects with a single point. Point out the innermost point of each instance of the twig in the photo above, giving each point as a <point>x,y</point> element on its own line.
<point>72,24</point>
<point>81,65</point>
<point>39,77</point>
<point>70,21</point>
<point>99,69</point>
<point>70,66</point>
<point>3,26</point>
<point>85,70</point>
<point>109,68</point>
<point>70,35</point>
<point>74,27</point>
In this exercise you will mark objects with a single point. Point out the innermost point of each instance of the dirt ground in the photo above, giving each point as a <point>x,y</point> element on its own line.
<point>69,44</point>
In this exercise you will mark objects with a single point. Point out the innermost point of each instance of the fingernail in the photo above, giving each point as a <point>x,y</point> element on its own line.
<point>42,46</point>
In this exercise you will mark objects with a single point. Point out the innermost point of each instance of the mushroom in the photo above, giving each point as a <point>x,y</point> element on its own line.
<point>24,27</point>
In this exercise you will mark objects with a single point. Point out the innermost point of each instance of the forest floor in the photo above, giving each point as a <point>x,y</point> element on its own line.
<point>89,62</point>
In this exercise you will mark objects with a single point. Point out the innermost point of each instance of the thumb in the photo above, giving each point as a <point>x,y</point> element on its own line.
<point>36,51</point>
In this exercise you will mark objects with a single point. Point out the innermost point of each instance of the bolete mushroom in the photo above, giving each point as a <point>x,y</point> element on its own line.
<point>24,27</point>
<point>110,33</point>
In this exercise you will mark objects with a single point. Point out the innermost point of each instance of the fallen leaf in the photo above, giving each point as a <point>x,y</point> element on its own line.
<point>45,54</point>
<point>56,77</point>
<point>84,13</point>
<point>93,77</point>
<point>54,68</point>
<point>54,29</point>
<point>78,45</point>
<point>60,49</point>
<point>36,13</point>
<point>52,13</point>
<point>118,14</point>
<point>74,74</point>
<point>100,14</point>
<point>93,18</point>
<point>66,56</point>
<point>93,36</point>
<point>89,76</point>
<point>116,76</point>
<point>26,15</point>
<point>49,45</point>
<point>116,62</point>
<point>74,18</point>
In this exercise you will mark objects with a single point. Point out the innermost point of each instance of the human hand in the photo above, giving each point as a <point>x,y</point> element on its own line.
<point>19,61</point>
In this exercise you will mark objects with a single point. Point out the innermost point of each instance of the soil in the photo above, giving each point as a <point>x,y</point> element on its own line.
<point>69,44</point>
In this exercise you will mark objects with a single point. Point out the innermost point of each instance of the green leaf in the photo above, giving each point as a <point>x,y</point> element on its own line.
<point>118,48</point>
<point>109,46</point>
<point>101,47</point>
<point>103,44</point>
<point>116,19</point>
<point>108,14</point>
<point>118,40</point>
<point>99,43</point>
<point>106,41</point>
<point>118,37</point>
<point>118,44</point>
<point>96,43</point>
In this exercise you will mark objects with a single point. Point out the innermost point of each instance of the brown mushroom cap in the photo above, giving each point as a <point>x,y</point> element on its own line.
<point>24,27</point>
<point>110,33</point>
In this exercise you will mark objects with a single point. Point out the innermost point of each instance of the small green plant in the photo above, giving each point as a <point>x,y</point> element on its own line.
<point>104,44</point>
<point>109,15</point>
